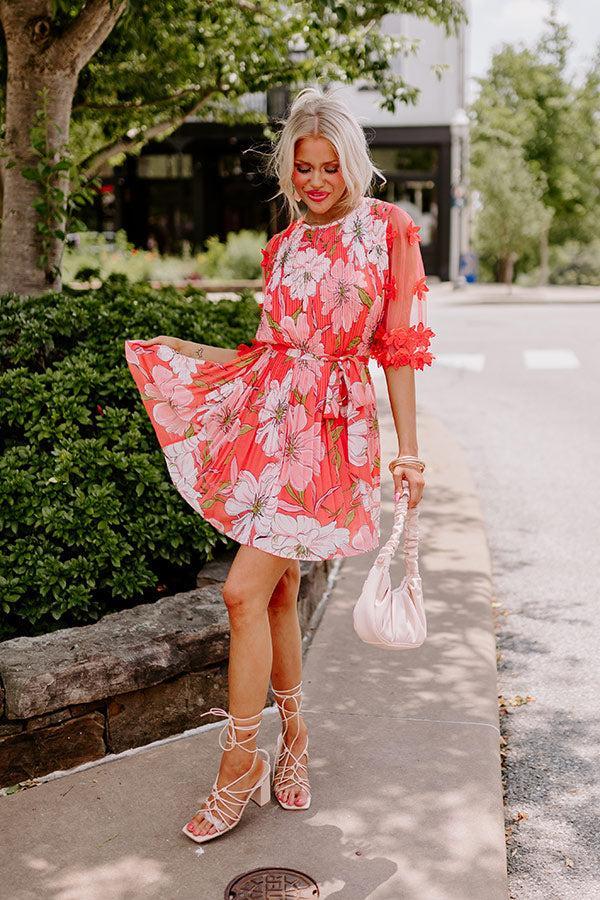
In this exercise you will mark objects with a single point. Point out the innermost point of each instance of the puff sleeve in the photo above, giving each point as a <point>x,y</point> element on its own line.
<point>402,337</point>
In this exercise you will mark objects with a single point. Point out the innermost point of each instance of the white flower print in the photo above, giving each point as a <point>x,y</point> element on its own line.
<point>307,349</point>
<point>272,415</point>
<point>307,269</point>
<point>302,537</point>
<point>303,449</point>
<point>340,294</point>
<point>365,539</point>
<point>184,366</point>
<point>369,494</point>
<point>172,409</point>
<point>220,414</point>
<point>253,503</point>
<point>182,465</point>
<point>357,235</point>
<point>357,442</point>
<point>377,251</point>
<point>285,252</point>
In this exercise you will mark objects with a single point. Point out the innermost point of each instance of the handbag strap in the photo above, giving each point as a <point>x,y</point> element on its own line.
<point>405,520</point>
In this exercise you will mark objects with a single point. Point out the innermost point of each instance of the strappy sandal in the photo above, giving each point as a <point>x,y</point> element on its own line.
<point>288,774</point>
<point>221,807</point>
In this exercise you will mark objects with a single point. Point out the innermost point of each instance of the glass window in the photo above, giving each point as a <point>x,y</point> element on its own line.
<point>167,165</point>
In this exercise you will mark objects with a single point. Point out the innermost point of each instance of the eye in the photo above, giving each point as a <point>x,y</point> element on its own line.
<point>303,171</point>
<point>332,171</point>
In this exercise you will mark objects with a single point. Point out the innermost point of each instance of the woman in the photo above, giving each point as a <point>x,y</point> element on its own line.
<point>277,444</point>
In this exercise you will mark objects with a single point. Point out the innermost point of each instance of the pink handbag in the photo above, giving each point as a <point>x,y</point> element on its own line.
<point>394,618</point>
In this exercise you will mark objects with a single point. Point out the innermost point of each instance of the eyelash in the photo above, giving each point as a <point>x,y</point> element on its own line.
<point>305,171</point>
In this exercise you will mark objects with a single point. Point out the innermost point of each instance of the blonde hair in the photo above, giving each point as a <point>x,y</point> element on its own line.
<point>315,113</point>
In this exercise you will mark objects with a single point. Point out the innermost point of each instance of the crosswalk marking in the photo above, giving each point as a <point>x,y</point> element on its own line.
<point>472,361</point>
<point>550,359</point>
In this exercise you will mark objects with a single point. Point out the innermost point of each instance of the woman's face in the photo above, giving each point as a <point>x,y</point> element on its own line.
<point>317,175</point>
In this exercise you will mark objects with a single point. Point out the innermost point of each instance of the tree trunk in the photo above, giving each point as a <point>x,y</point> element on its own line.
<point>544,258</point>
<point>20,245</point>
<point>507,268</point>
<point>40,58</point>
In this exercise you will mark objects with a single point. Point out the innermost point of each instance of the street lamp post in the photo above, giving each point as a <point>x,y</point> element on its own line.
<point>459,134</point>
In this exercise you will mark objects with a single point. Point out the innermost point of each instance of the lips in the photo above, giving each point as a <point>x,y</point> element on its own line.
<point>317,195</point>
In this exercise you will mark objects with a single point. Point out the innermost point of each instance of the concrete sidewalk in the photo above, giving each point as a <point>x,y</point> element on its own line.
<point>405,765</point>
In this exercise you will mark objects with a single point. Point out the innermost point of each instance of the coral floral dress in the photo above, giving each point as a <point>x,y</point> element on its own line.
<point>279,447</point>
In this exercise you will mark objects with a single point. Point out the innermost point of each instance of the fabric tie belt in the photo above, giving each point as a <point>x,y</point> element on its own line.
<point>343,391</point>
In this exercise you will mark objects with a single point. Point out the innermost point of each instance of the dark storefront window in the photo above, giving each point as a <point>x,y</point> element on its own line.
<point>164,182</point>
<point>412,178</point>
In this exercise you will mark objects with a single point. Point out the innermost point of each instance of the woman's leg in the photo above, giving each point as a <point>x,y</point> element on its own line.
<point>247,591</point>
<point>287,663</point>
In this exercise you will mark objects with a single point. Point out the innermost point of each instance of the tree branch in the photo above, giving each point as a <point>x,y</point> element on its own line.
<point>92,165</point>
<point>80,41</point>
<point>140,104</point>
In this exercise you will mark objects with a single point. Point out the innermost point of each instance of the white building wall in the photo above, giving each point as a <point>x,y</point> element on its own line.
<point>439,97</point>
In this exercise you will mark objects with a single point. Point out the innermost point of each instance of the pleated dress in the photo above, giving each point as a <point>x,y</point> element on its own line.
<point>279,448</point>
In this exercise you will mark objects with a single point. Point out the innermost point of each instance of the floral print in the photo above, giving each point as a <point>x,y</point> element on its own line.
<point>279,447</point>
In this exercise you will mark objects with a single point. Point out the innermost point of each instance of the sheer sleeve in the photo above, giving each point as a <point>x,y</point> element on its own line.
<point>402,337</point>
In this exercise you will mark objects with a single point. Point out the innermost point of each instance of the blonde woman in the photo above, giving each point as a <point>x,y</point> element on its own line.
<point>276,443</point>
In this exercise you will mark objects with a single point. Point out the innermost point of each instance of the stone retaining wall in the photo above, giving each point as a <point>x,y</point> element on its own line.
<point>133,677</point>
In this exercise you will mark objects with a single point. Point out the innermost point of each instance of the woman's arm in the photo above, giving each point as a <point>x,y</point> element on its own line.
<point>197,351</point>
<point>402,394</point>
<point>399,346</point>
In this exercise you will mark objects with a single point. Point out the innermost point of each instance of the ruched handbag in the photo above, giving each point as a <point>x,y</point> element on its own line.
<point>394,618</point>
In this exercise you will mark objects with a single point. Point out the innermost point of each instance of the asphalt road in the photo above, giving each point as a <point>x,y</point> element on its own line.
<point>519,385</point>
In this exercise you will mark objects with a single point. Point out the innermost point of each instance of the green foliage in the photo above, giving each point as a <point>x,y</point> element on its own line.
<point>530,107</point>
<point>237,257</point>
<point>90,521</point>
<point>95,256</point>
<point>571,263</point>
<point>513,215</point>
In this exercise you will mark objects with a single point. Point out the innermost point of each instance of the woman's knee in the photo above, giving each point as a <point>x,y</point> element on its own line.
<point>242,599</point>
<point>286,590</point>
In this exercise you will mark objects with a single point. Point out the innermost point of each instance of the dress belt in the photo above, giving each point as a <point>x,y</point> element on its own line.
<point>279,345</point>
<point>335,396</point>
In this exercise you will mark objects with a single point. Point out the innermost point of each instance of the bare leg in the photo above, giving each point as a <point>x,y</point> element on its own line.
<point>247,591</point>
<point>287,662</point>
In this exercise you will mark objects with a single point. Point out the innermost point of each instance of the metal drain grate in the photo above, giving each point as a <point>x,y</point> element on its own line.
<point>273,883</point>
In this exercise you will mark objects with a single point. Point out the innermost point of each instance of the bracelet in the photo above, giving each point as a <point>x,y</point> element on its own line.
<point>200,351</point>
<point>406,458</point>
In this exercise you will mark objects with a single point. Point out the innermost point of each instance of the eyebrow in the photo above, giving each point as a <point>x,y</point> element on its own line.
<point>330,162</point>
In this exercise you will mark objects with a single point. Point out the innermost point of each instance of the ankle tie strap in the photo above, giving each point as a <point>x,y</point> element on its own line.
<point>231,726</point>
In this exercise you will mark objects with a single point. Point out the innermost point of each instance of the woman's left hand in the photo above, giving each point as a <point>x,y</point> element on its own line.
<point>416,483</point>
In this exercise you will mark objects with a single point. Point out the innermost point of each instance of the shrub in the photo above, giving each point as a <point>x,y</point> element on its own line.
<point>90,521</point>
<point>238,257</point>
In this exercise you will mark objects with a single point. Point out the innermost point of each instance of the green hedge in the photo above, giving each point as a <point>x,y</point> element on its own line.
<point>90,521</point>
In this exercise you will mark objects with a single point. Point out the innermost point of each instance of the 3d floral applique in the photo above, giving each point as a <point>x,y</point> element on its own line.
<point>266,258</point>
<point>412,233</point>
<point>420,288</point>
<point>407,345</point>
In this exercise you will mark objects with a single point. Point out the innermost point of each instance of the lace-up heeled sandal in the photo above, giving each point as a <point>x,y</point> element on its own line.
<point>221,806</point>
<point>289,771</point>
